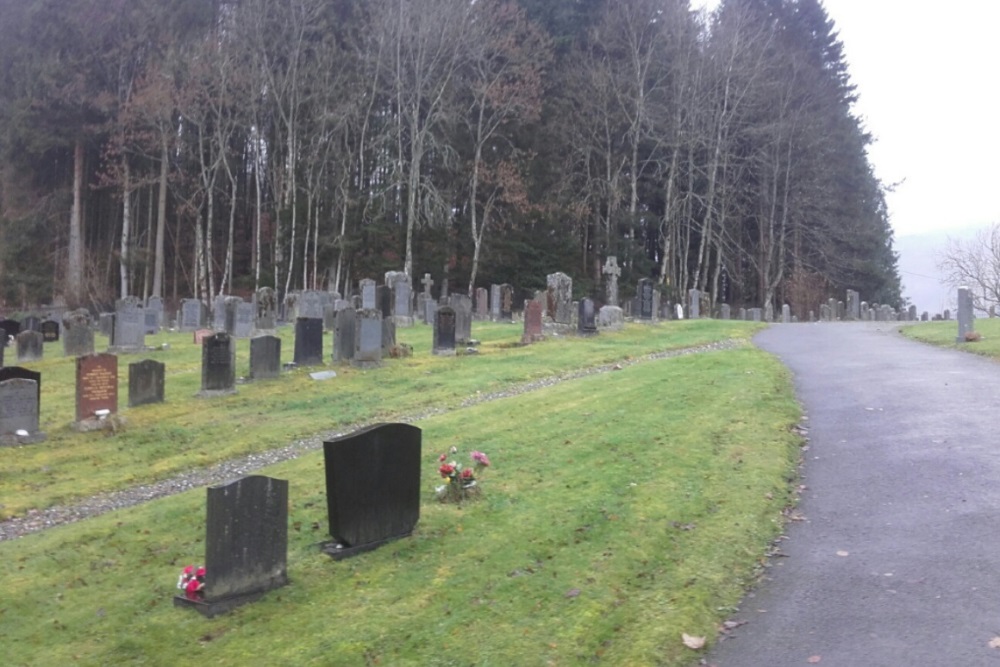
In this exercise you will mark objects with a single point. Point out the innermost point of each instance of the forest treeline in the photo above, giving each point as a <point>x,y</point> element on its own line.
<point>197,147</point>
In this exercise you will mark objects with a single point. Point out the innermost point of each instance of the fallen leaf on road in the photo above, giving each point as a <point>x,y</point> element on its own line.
<point>994,643</point>
<point>694,643</point>
<point>814,659</point>
<point>843,553</point>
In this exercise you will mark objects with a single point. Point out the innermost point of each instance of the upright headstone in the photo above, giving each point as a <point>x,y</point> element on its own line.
<point>31,323</point>
<point>430,309</point>
<point>482,304</point>
<point>265,357</point>
<point>965,314</point>
<point>644,296</point>
<point>853,305</point>
<point>367,339</point>
<point>831,304</point>
<point>694,301</point>
<point>219,312</point>
<point>310,305</point>
<point>402,301</point>
<point>494,302</point>
<point>343,335</point>
<point>246,544</point>
<point>388,335</point>
<point>786,314</point>
<point>130,327</point>
<point>506,303</point>
<point>755,314</point>
<point>911,313</point>
<point>612,271</point>
<point>560,297</point>
<point>245,316</point>
<point>96,386</point>
<point>154,314</point>
<point>587,318</point>
<point>532,322</point>
<point>10,329</point>
<point>725,312</point>
<point>427,282</point>
<point>372,487</point>
<point>266,309</point>
<point>611,318</point>
<point>145,382</point>
<point>368,295</point>
<point>444,331</point>
<point>50,331</point>
<point>30,346</point>
<point>463,317</point>
<point>192,314</point>
<point>232,304</point>
<point>218,365</point>
<point>20,373</point>
<point>308,341</point>
<point>19,407</point>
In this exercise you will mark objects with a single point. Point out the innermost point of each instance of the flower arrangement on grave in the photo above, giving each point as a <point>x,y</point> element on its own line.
<point>192,582</point>
<point>461,482</point>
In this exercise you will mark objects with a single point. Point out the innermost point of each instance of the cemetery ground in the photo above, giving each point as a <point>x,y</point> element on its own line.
<point>943,334</point>
<point>622,509</point>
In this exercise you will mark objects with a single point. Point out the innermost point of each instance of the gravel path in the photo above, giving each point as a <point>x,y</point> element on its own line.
<point>38,520</point>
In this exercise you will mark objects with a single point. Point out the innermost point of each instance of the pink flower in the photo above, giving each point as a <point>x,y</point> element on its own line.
<point>443,458</point>
<point>467,473</point>
<point>481,459</point>
<point>446,470</point>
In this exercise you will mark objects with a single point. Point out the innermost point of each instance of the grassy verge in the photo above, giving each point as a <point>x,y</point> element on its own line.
<point>621,510</point>
<point>943,334</point>
<point>186,432</point>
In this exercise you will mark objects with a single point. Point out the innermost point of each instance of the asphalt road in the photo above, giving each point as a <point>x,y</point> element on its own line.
<point>897,562</point>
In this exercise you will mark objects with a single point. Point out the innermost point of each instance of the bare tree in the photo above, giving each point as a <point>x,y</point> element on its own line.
<point>974,263</point>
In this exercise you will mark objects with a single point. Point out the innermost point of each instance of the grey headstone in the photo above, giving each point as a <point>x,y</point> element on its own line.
<point>786,314</point>
<point>219,312</point>
<point>266,305</point>
<point>145,382</point>
<point>30,345</point>
<point>560,297</point>
<point>367,339</point>
<point>694,301</point>
<point>130,327</point>
<point>506,303</point>
<point>725,312</point>
<point>343,335</point>
<point>245,316</point>
<point>463,317</point>
<point>265,357</point>
<point>372,487</point>
<point>402,300</point>
<point>494,302</point>
<point>613,272</point>
<point>192,315</point>
<point>310,305</point>
<point>587,318</point>
<point>482,304</point>
<point>154,305</point>
<point>610,317</point>
<point>19,409</point>
<point>368,300</point>
<point>966,316</point>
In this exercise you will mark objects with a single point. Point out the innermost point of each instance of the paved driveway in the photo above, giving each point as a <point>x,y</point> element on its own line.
<point>897,562</point>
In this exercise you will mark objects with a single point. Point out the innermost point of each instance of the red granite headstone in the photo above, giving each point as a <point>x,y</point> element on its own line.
<point>96,385</point>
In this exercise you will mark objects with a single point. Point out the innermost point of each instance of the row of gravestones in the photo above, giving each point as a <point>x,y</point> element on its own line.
<point>373,497</point>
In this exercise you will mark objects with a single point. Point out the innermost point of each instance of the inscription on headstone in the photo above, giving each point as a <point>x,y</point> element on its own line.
<point>96,385</point>
<point>644,295</point>
<point>50,331</point>
<point>218,365</point>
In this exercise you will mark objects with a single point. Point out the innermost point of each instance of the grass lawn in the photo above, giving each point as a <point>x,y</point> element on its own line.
<point>943,334</point>
<point>621,510</point>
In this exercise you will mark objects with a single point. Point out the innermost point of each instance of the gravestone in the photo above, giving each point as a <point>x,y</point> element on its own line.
<point>383,300</point>
<point>50,331</point>
<point>644,296</point>
<point>427,282</point>
<point>694,304</point>
<point>218,365</point>
<point>343,335</point>
<point>755,314</point>
<point>145,382</point>
<point>245,316</point>
<point>367,339</point>
<point>368,300</point>
<point>20,373</point>
<point>680,311</point>
<point>310,305</point>
<point>444,288</point>
<point>532,323</point>
<point>742,314</point>
<point>924,317</point>
<point>587,318</point>
<point>130,327</point>
<point>831,304</point>
<point>966,322</point>
<point>656,303</point>
<point>10,329</point>
<point>265,309</point>
<point>106,325</point>
<point>612,271</point>
<point>482,304</point>
<point>232,303</point>
<point>430,309</point>
<point>853,305</point>
<point>199,336</point>
<point>725,312</point>
<point>30,345</point>
<point>96,386</point>
<point>947,314</point>
<point>289,307</point>
<point>444,331</point>
<point>219,312</point>
<point>494,302</point>
<point>786,314</point>
<point>911,313</point>
<point>388,335</point>
<point>265,357</point>
<point>31,323</point>
<point>506,303</point>
<point>372,487</point>
<point>308,341</point>
<point>246,544</point>
<point>402,300</point>
<point>463,317</point>
<point>192,312</point>
<point>611,317</point>
<point>329,316</point>
<point>154,314</point>
<point>19,407</point>
<point>421,307</point>
<point>559,288</point>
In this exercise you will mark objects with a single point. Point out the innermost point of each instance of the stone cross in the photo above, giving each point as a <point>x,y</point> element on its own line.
<point>428,283</point>
<point>612,271</point>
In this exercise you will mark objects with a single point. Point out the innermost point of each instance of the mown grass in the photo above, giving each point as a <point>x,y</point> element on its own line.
<point>944,333</point>
<point>185,432</point>
<point>621,510</point>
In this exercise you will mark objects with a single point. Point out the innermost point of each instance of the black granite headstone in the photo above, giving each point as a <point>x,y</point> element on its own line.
<point>10,329</point>
<point>265,357</point>
<point>372,487</point>
<point>444,331</point>
<point>11,372</point>
<point>644,297</point>
<point>218,364</point>
<point>384,300</point>
<point>246,544</point>
<point>586,324</point>
<point>308,341</point>
<point>145,382</point>
<point>50,331</point>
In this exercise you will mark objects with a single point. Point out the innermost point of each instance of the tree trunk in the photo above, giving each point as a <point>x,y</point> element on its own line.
<point>74,264</point>
<point>125,255</point>
<point>161,221</point>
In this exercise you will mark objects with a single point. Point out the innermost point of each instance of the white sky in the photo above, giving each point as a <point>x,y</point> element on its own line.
<point>928,80</point>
